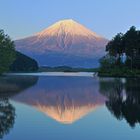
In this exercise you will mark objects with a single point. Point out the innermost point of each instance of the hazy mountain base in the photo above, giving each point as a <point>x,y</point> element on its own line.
<point>52,59</point>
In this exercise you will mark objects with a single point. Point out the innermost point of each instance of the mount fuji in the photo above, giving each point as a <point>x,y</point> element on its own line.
<point>65,43</point>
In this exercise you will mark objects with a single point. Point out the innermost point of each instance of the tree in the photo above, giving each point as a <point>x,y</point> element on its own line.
<point>107,62</point>
<point>115,47</point>
<point>7,52</point>
<point>128,45</point>
<point>132,47</point>
<point>131,41</point>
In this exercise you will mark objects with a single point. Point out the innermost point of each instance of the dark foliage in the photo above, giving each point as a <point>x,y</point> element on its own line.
<point>121,45</point>
<point>23,63</point>
<point>7,116</point>
<point>123,104</point>
<point>7,52</point>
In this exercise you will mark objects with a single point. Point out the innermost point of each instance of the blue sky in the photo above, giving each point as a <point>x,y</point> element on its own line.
<point>21,18</point>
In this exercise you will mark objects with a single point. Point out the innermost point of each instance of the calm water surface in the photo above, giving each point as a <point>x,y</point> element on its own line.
<point>69,107</point>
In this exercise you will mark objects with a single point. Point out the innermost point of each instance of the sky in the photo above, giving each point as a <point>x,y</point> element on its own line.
<point>22,18</point>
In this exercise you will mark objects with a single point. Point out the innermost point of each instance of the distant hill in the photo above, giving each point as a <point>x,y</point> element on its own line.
<point>65,43</point>
<point>66,69</point>
<point>23,63</point>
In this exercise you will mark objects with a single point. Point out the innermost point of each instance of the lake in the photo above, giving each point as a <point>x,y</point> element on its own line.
<point>69,106</point>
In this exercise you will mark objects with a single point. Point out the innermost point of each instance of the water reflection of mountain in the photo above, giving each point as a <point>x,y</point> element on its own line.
<point>65,99</point>
<point>10,85</point>
<point>123,98</point>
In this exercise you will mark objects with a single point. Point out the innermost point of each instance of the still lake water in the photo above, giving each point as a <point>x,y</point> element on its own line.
<point>69,107</point>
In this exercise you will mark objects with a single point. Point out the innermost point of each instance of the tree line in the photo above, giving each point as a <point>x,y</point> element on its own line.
<point>12,60</point>
<point>7,52</point>
<point>123,51</point>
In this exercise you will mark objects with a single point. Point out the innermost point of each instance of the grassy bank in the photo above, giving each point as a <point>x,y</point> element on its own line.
<point>119,72</point>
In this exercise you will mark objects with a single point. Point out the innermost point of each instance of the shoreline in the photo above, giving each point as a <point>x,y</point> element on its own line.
<point>118,75</point>
<point>74,74</point>
<point>80,74</point>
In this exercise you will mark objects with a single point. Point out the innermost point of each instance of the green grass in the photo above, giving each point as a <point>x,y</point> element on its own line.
<point>119,72</point>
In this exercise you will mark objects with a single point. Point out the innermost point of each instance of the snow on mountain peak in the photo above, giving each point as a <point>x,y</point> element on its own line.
<point>67,27</point>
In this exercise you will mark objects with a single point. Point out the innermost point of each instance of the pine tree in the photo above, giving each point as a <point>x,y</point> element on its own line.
<point>7,52</point>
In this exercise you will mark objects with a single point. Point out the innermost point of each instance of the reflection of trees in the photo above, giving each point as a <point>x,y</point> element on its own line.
<point>11,85</point>
<point>133,101</point>
<point>123,104</point>
<point>7,116</point>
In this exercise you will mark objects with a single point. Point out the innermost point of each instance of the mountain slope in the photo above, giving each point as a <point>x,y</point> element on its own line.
<point>64,43</point>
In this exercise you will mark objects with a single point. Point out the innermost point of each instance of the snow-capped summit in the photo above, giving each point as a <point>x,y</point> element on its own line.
<point>67,26</point>
<point>64,43</point>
